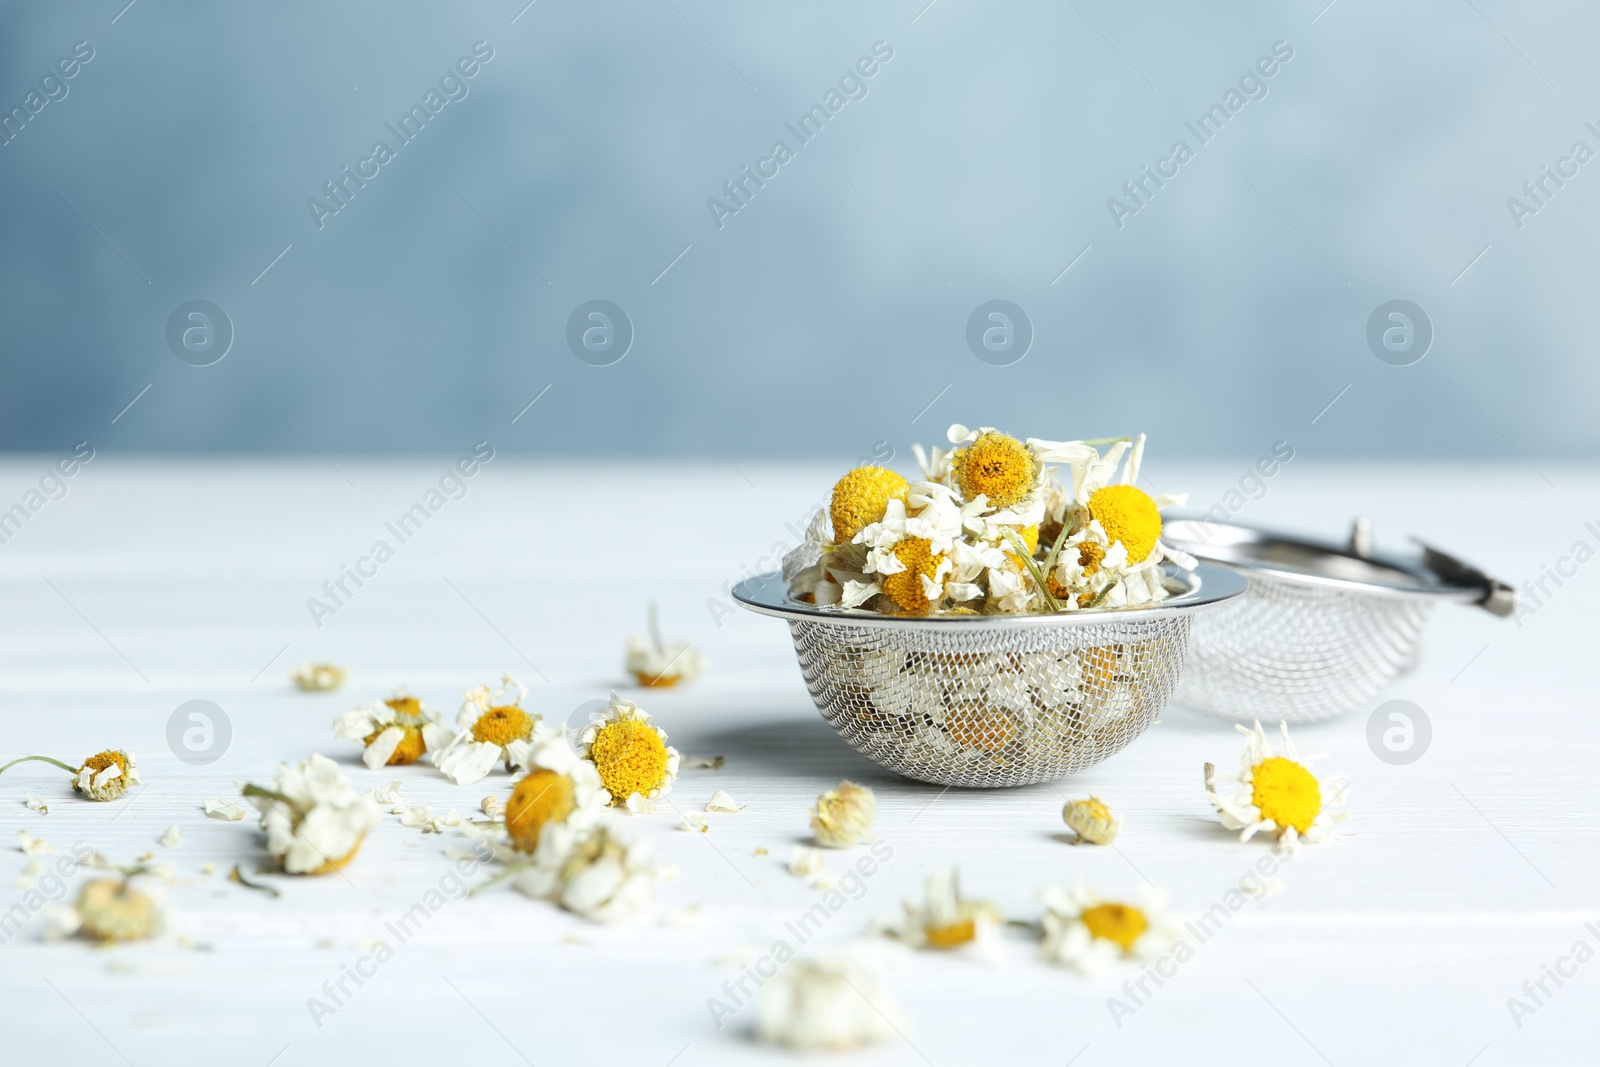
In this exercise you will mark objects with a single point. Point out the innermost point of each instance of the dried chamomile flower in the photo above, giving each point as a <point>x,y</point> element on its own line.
<point>591,870</point>
<point>317,677</point>
<point>107,775</point>
<point>1085,931</point>
<point>103,776</point>
<point>861,497</point>
<point>1278,795</point>
<point>831,1002</point>
<point>653,662</point>
<point>395,731</point>
<point>945,919</point>
<point>493,728</point>
<point>314,818</point>
<point>636,764</point>
<point>994,465</point>
<point>1092,821</point>
<point>559,787</point>
<point>843,815</point>
<point>111,909</point>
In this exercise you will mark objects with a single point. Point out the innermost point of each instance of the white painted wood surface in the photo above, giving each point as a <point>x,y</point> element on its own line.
<point>154,583</point>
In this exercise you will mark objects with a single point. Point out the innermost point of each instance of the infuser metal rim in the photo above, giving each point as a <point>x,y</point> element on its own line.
<point>1420,582</point>
<point>768,594</point>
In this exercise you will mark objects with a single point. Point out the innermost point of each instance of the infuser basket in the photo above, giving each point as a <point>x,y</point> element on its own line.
<point>1323,626</point>
<point>993,700</point>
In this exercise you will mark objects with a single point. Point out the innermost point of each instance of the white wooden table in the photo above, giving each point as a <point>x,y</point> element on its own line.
<point>154,583</point>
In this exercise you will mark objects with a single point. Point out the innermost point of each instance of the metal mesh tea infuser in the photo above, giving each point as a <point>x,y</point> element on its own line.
<point>1323,627</point>
<point>993,700</point>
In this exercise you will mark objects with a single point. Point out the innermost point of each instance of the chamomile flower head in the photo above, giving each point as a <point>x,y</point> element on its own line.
<point>631,755</point>
<point>843,815</point>
<point>944,919</point>
<point>558,788</point>
<point>111,910</point>
<point>317,677</point>
<point>1277,795</point>
<point>833,1001</point>
<point>589,868</point>
<point>993,465</point>
<point>860,499</point>
<point>1091,821</point>
<point>491,728</point>
<point>107,775</point>
<point>1129,515</point>
<point>1091,933</point>
<point>314,818</point>
<point>393,732</point>
<point>656,664</point>
<point>915,587</point>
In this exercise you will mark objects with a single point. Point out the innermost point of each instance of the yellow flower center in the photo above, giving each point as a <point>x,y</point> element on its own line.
<point>406,707</point>
<point>1030,537</point>
<point>1119,923</point>
<point>1286,793</point>
<point>957,933</point>
<point>502,725</point>
<point>96,763</point>
<point>631,758</point>
<point>1128,515</point>
<point>410,748</point>
<point>101,760</point>
<point>997,466</point>
<point>542,797</point>
<point>905,588</point>
<point>861,497</point>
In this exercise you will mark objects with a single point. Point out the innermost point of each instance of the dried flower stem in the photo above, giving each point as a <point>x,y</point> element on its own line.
<point>510,870</point>
<point>1033,569</point>
<point>42,759</point>
<point>236,875</point>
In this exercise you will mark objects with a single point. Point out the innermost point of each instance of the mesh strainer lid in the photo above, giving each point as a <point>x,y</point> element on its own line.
<point>1354,566</point>
<point>768,594</point>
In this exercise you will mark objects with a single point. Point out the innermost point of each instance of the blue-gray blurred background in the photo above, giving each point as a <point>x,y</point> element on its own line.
<point>831,310</point>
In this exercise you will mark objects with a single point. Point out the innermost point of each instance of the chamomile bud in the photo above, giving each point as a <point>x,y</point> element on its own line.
<point>112,910</point>
<point>1092,821</point>
<point>317,677</point>
<point>843,816</point>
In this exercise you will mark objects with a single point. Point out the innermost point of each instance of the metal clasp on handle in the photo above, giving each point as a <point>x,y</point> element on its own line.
<point>1361,537</point>
<point>1498,598</point>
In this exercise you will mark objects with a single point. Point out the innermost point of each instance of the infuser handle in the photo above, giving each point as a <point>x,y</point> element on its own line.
<point>1498,598</point>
